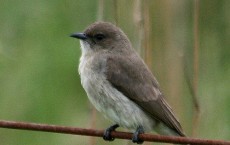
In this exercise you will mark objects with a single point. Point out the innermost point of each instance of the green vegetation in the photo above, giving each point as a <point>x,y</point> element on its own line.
<point>39,81</point>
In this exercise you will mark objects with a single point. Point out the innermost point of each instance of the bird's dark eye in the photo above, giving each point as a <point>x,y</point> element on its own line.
<point>99,37</point>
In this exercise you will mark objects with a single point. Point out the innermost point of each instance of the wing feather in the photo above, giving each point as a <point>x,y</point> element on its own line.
<point>140,86</point>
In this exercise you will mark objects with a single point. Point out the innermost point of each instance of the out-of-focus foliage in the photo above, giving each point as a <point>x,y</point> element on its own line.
<point>39,81</point>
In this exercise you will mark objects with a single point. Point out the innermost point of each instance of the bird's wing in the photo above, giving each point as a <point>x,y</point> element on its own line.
<point>131,77</point>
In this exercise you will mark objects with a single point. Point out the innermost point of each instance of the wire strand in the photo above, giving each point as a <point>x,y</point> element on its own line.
<point>99,133</point>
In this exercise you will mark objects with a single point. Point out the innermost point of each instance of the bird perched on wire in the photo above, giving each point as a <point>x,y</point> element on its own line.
<point>120,85</point>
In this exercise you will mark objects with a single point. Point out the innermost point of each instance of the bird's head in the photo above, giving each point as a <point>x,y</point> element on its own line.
<point>102,36</point>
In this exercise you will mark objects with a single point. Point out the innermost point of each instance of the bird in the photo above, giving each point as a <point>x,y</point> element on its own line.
<point>120,85</point>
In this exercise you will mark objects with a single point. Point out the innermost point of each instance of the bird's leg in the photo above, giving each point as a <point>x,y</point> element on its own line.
<point>107,133</point>
<point>136,138</point>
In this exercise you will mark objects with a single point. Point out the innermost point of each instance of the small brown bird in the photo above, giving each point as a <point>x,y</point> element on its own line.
<point>120,85</point>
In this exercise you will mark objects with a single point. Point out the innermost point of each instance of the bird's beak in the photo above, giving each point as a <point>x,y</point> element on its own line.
<point>81,36</point>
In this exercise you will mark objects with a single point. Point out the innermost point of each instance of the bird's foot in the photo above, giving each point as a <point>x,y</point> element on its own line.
<point>107,134</point>
<point>136,138</point>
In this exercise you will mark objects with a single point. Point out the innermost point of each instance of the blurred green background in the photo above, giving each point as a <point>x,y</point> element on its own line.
<point>39,81</point>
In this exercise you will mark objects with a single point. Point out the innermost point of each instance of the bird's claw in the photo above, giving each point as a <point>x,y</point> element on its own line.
<point>136,138</point>
<point>107,134</point>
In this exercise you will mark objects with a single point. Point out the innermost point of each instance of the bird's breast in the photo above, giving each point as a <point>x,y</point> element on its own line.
<point>108,100</point>
<point>93,79</point>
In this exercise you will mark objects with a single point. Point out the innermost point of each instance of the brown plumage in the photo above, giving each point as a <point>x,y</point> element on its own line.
<point>119,83</point>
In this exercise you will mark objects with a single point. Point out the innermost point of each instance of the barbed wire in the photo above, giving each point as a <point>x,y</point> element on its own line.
<point>114,134</point>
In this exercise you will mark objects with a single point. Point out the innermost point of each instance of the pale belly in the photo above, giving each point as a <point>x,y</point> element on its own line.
<point>112,103</point>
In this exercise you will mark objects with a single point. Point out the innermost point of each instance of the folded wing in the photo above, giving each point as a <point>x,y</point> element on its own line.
<point>140,86</point>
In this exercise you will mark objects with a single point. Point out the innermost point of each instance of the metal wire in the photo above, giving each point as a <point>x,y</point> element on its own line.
<point>115,134</point>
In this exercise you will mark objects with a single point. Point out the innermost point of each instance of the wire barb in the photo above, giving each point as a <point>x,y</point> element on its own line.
<point>99,133</point>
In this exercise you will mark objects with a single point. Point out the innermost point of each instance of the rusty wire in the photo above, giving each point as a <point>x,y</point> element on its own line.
<point>115,134</point>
